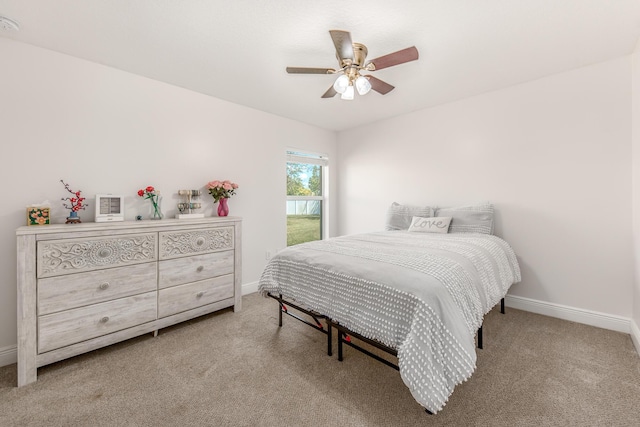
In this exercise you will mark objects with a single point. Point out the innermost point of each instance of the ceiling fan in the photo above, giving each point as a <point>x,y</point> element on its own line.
<point>351,59</point>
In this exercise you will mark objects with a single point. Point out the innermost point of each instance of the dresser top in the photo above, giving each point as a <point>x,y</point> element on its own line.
<point>151,225</point>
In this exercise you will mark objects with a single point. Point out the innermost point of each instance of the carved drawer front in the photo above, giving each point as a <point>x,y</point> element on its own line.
<point>76,290</point>
<point>197,267</point>
<point>57,257</point>
<point>185,297</point>
<point>175,244</point>
<point>72,326</point>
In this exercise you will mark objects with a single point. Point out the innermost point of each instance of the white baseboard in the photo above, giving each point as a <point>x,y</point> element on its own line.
<point>578,315</point>
<point>249,288</point>
<point>8,355</point>
<point>635,335</point>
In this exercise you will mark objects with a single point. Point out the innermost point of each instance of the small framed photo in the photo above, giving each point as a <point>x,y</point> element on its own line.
<point>38,215</point>
<point>109,208</point>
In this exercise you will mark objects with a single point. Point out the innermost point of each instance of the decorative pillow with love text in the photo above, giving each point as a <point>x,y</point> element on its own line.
<point>438,224</point>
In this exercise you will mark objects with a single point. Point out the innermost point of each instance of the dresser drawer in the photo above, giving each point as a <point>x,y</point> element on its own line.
<point>185,297</point>
<point>175,244</point>
<point>72,326</point>
<point>76,290</point>
<point>197,267</point>
<point>57,257</point>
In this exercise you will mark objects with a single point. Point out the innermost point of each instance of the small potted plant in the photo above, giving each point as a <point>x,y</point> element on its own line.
<point>76,203</point>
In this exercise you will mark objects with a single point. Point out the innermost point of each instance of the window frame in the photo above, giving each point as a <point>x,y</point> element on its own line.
<point>294,155</point>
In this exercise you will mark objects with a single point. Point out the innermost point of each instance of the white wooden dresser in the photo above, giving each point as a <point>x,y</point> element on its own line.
<point>86,286</point>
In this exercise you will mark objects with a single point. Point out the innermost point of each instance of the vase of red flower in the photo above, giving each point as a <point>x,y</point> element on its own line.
<point>155,198</point>
<point>156,208</point>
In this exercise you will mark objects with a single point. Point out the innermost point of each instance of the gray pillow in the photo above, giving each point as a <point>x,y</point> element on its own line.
<point>399,216</point>
<point>470,219</point>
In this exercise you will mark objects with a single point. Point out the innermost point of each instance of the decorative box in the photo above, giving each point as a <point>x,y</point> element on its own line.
<point>37,215</point>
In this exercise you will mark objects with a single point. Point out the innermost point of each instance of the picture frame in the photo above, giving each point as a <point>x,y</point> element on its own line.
<point>109,208</point>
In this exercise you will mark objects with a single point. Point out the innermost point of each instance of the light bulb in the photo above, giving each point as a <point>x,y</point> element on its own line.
<point>341,84</point>
<point>363,85</point>
<point>348,93</point>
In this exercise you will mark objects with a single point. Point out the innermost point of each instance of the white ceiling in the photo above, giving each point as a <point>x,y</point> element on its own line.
<point>237,50</point>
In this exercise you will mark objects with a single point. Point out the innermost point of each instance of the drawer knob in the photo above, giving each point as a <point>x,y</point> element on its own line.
<point>200,241</point>
<point>105,319</point>
<point>104,253</point>
<point>104,286</point>
<point>199,269</point>
<point>199,294</point>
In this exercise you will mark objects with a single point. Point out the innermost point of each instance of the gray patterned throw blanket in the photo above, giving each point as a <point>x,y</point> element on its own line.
<point>420,293</point>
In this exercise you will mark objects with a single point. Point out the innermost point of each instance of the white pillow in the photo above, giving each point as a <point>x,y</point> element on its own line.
<point>438,224</point>
<point>399,216</point>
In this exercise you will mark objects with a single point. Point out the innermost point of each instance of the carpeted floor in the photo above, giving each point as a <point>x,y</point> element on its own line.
<point>240,369</point>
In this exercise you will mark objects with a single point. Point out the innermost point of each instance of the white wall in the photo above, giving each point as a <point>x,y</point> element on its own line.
<point>104,130</point>
<point>553,155</point>
<point>636,193</point>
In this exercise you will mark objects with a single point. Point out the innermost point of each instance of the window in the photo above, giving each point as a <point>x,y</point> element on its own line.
<point>306,197</point>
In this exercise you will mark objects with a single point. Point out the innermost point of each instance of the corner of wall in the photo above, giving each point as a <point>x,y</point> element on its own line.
<point>635,155</point>
<point>635,335</point>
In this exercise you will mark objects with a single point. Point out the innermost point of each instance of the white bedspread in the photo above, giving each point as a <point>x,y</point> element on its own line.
<point>423,294</point>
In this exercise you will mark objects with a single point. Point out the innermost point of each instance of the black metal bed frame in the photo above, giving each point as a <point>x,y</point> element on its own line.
<point>344,334</point>
<point>315,316</point>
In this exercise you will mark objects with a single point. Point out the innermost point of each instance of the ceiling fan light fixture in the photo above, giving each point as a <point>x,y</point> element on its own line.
<point>341,84</point>
<point>348,93</point>
<point>352,59</point>
<point>362,85</point>
<point>7,24</point>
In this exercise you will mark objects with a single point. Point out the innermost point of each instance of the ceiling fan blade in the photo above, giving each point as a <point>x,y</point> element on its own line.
<point>303,70</point>
<point>330,93</point>
<point>395,58</point>
<point>380,86</point>
<point>342,42</point>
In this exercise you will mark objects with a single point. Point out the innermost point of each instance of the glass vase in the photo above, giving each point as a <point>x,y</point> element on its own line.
<point>156,207</point>
<point>223,208</point>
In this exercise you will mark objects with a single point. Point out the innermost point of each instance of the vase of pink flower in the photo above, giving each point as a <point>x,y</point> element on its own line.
<point>221,191</point>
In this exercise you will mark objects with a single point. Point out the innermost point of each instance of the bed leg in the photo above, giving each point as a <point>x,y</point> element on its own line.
<point>502,306</point>
<point>340,336</point>
<point>329,338</point>
<point>280,311</point>
<point>480,337</point>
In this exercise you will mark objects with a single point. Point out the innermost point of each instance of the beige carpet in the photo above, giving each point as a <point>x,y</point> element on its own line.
<point>240,369</point>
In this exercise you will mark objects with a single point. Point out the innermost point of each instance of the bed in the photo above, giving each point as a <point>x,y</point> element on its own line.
<point>422,294</point>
